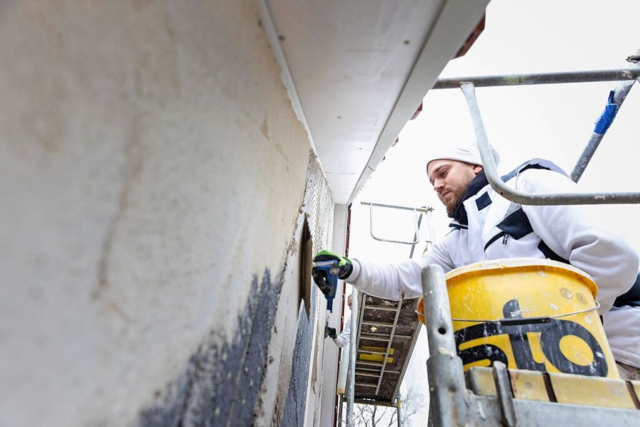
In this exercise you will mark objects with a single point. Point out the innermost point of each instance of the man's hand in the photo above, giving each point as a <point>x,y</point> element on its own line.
<point>343,269</point>
<point>330,332</point>
<point>344,263</point>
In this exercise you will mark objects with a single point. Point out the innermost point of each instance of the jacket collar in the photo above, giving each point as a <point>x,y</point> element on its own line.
<point>460,214</point>
<point>460,219</point>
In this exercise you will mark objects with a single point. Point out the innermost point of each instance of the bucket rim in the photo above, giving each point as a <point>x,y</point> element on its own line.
<point>531,264</point>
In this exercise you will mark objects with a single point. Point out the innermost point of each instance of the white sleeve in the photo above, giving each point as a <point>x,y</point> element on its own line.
<point>573,233</point>
<point>344,337</point>
<point>396,281</point>
<point>622,326</point>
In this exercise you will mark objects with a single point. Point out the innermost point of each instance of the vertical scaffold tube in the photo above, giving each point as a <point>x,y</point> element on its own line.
<point>437,311</point>
<point>352,358</point>
<point>448,406</point>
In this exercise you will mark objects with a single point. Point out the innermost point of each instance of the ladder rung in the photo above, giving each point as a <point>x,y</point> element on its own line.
<point>373,334</point>
<point>381,324</point>
<point>371,352</point>
<point>380,307</point>
<point>386,371</point>
<point>366,374</point>
<point>363,362</point>
<point>384,337</point>
<point>403,337</point>
<point>361,368</point>
<point>374,337</point>
<point>365,385</point>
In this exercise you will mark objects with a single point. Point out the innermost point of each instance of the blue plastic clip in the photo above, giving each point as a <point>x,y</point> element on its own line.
<point>607,116</point>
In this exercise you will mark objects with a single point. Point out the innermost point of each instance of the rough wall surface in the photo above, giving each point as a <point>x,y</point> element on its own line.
<point>152,174</point>
<point>297,395</point>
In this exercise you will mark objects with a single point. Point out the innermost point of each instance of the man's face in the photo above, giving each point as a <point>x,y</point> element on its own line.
<point>349,301</point>
<point>450,180</point>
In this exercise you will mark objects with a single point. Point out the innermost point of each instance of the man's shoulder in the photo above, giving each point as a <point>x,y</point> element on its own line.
<point>543,180</point>
<point>533,165</point>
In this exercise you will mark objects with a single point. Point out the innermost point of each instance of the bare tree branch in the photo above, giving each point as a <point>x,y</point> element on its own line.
<point>375,416</point>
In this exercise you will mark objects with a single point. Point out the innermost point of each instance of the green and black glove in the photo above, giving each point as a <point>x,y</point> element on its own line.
<point>330,332</point>
<point>343,269</point>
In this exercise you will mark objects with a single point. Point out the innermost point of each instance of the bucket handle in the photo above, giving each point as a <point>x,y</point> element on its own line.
<point>527,320</point>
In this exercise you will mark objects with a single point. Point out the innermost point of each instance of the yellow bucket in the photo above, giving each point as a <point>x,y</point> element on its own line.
<point>530,314</point>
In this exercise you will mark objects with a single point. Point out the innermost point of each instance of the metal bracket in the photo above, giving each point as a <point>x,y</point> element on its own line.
<point>505,398</point>
<point>522,197</point>
<point>417,221</point>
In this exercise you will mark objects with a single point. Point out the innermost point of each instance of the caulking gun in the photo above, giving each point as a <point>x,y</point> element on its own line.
<point>325,275</point>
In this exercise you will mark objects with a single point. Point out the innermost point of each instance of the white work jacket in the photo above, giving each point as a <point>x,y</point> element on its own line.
<point>487,227</point>
<point>345,336</point>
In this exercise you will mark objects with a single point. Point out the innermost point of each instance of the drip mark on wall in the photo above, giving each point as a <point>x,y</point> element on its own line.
<point>222,382</point>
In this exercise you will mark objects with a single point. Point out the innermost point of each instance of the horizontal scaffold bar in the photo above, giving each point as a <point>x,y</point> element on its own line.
<point>541,78</point>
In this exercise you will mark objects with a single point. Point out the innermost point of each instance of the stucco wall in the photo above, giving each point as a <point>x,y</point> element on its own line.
<point>152,175</point>
<point>292,387</point>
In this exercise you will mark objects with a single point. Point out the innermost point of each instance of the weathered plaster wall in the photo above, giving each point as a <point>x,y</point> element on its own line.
<point>291,390</point>
<point>153,176</point>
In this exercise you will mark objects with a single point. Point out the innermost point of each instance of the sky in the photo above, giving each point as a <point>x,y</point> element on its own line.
<point>550,121</point>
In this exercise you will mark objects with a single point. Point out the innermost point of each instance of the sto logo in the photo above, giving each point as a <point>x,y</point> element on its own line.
<point>551,333</point>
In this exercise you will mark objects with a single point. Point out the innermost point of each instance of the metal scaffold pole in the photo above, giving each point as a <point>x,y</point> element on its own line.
<point>352,360</point>
<point>541,78</point>
<point>616,98</point>
<point>627,76</point>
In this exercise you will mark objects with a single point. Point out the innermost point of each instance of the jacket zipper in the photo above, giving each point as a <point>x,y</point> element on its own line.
<point>502,234</point>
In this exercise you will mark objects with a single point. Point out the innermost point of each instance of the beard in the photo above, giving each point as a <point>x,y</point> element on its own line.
<point>452,197</point>
<point>453,194</point>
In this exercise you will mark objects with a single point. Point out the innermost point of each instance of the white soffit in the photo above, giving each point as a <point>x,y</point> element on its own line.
<point>357,70</point>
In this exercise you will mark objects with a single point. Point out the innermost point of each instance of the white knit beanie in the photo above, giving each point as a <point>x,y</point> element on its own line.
<point>464,152</point>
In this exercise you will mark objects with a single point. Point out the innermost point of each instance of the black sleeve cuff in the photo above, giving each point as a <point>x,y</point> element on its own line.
<point>345,271</point>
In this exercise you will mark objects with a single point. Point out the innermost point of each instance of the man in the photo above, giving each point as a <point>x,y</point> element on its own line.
<point>487,226</point>
<point>344,337</point>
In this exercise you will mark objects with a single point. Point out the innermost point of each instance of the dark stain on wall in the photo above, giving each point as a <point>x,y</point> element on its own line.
<point>294,409</point>
<point>220,386</point>
<point>222,380</point>
<point>169,412</point>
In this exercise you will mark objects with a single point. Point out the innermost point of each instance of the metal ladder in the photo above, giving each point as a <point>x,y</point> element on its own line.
<point>373,369</point>
<point>418,213</point>
<point>376,369</point>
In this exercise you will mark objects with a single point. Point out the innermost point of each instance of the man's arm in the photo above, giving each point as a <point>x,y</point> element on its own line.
<point>574,234</point>
<point>396,281</point>
<point>345,336</point>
